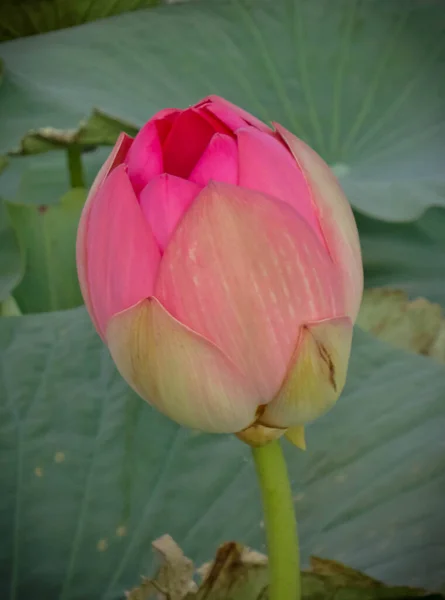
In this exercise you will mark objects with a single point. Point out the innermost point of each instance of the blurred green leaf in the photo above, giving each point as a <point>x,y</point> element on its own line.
<point>90,474</point>
<point>28,17</point>
<point>9,308</point>
<point>44,178</point>
<point>99,129</point>
<point>416,325</point>
<point>408,256</point>
<point>369,98</point>
<point>11,263</point>
<point>48,235</point>
<point>3,163</point>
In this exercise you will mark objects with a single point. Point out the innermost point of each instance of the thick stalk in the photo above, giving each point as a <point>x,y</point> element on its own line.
<point>77,179</point>
<point>281,526</point>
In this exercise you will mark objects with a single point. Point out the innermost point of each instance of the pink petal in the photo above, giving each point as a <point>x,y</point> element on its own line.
<point>335,217</point>
<point>144,159</point>
<point>164,121</point>
<point>267,166</point>
<point>115,158</point>
<point>218,163</point>
<point>163,201</point>
<point>185,143</point>
<point>179,372</point>
<point>122,256</point>
<point>218,126</point>
<point>245,271</point>
<point>231,115</point>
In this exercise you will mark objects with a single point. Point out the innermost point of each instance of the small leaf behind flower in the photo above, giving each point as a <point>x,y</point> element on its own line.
<point>47,237</point>
<point>99,129</point>
<point>174,577</point>
<point>417,325</point>
<point>238,573</point>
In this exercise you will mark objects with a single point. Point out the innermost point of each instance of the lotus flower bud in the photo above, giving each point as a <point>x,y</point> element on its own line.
<point>219,261</point>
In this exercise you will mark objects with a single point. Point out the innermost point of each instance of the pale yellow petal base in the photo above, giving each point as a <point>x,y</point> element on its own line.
<point>316,376</point>
<point>182,374</point>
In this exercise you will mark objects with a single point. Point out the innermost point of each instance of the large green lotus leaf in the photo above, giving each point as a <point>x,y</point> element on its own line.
<point>408,256</point>
<point>91,475</point>
<point>48,235</point>
<point>361,81</point>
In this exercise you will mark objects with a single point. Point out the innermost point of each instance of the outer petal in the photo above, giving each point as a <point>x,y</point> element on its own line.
<point>296,436</point>
<point>267,166</point>
<point>231,115</point>
<point>122,254</point>
<point>335,216</point>
<point>218,163</point>
<point>245,271</point>
<point>115,158</point>
<point>144,159</point>
<point>180,373</point>
<point>316,375</point>
<point>163,201</point>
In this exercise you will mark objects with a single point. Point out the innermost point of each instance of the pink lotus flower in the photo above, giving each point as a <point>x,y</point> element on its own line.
<point>219,261</point>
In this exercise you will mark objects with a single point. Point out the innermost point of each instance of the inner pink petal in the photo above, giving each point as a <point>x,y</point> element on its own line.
<point>218,163</point>
<point>185,143</point>
<point>231,115</point>
<point>267,166</point>
<point>164,201</point>
<point>165,122</point>
<point>144,159</point>
<point>216,123</point>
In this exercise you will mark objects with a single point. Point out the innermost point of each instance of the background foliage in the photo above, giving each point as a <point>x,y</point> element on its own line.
<point>91,475</point>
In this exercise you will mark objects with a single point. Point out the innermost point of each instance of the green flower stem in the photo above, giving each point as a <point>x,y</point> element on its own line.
<point>281,526</point>
<point>77,179</point>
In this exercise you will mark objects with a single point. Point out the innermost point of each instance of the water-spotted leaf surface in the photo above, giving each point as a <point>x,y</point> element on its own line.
<point>416,325</point>
<point>48,234</point>
<point>91,475</point>
<point>407,256</point>
<point>369,98</point>
<point>11,261</point>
